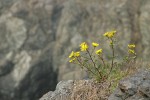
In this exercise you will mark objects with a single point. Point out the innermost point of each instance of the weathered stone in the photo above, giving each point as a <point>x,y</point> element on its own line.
<point>145,88</point>
<point>62,92</point>
<point>135,87</point>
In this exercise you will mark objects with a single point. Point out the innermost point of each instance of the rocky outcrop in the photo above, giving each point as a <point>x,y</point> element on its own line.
<point>136,87</point>
<point>78,90</point>
<point>36,37</point>
<point>63,91</point>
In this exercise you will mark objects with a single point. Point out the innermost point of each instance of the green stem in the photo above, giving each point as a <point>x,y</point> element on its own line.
<point>94,64</point>
<point>113,56</point>
<point>102,59</point>
<point>85,67</point>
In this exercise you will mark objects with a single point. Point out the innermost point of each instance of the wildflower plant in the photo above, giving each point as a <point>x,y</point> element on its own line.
<point>91,58</point>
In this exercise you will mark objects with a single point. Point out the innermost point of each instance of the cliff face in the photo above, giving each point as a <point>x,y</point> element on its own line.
<point>36,37</point>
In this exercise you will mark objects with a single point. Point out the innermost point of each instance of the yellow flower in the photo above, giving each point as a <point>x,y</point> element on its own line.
<point>98,52</point>
<point>95,44</point>
<point>83,46</point>
<point>71,54</point>
<point>77,54</point>
<point>131,51</point>
<point>72,60</point>
<point>131,46</point>
<point>106,34</point>
<point>110,34</point>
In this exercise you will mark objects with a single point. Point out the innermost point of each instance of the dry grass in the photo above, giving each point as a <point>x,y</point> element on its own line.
<point>90,90</point>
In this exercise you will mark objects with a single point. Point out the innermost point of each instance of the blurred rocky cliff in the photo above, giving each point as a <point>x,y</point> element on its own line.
<point>36,37</point>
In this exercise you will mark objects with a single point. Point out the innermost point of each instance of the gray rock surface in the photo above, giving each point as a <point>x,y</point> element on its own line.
<point>62,92</point>
<point>136,87</point>
<point>36,37</point>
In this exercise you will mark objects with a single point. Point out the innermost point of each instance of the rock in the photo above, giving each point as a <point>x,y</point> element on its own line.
<point>26,48</point>
<point>145,88</point>
<point>135,87</point>
<point>62,92</point>
<point>78,90</point>
<point>27,75</point>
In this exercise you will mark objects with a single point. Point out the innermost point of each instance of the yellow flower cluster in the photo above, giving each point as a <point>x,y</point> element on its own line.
<point>95,44</point>
<point>73,55</point>
<point>131,48</point>
<point>99,52</point>
<point>131,51</point>
<point>90,57</point>
<point>72,60</point>
<point>110,34</point>
<point>83,46</point>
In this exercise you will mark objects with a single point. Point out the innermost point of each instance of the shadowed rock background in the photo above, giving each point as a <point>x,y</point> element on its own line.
<point>36,37</point>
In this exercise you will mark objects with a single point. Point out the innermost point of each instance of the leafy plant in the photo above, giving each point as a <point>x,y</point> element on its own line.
<point>93,61</point>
